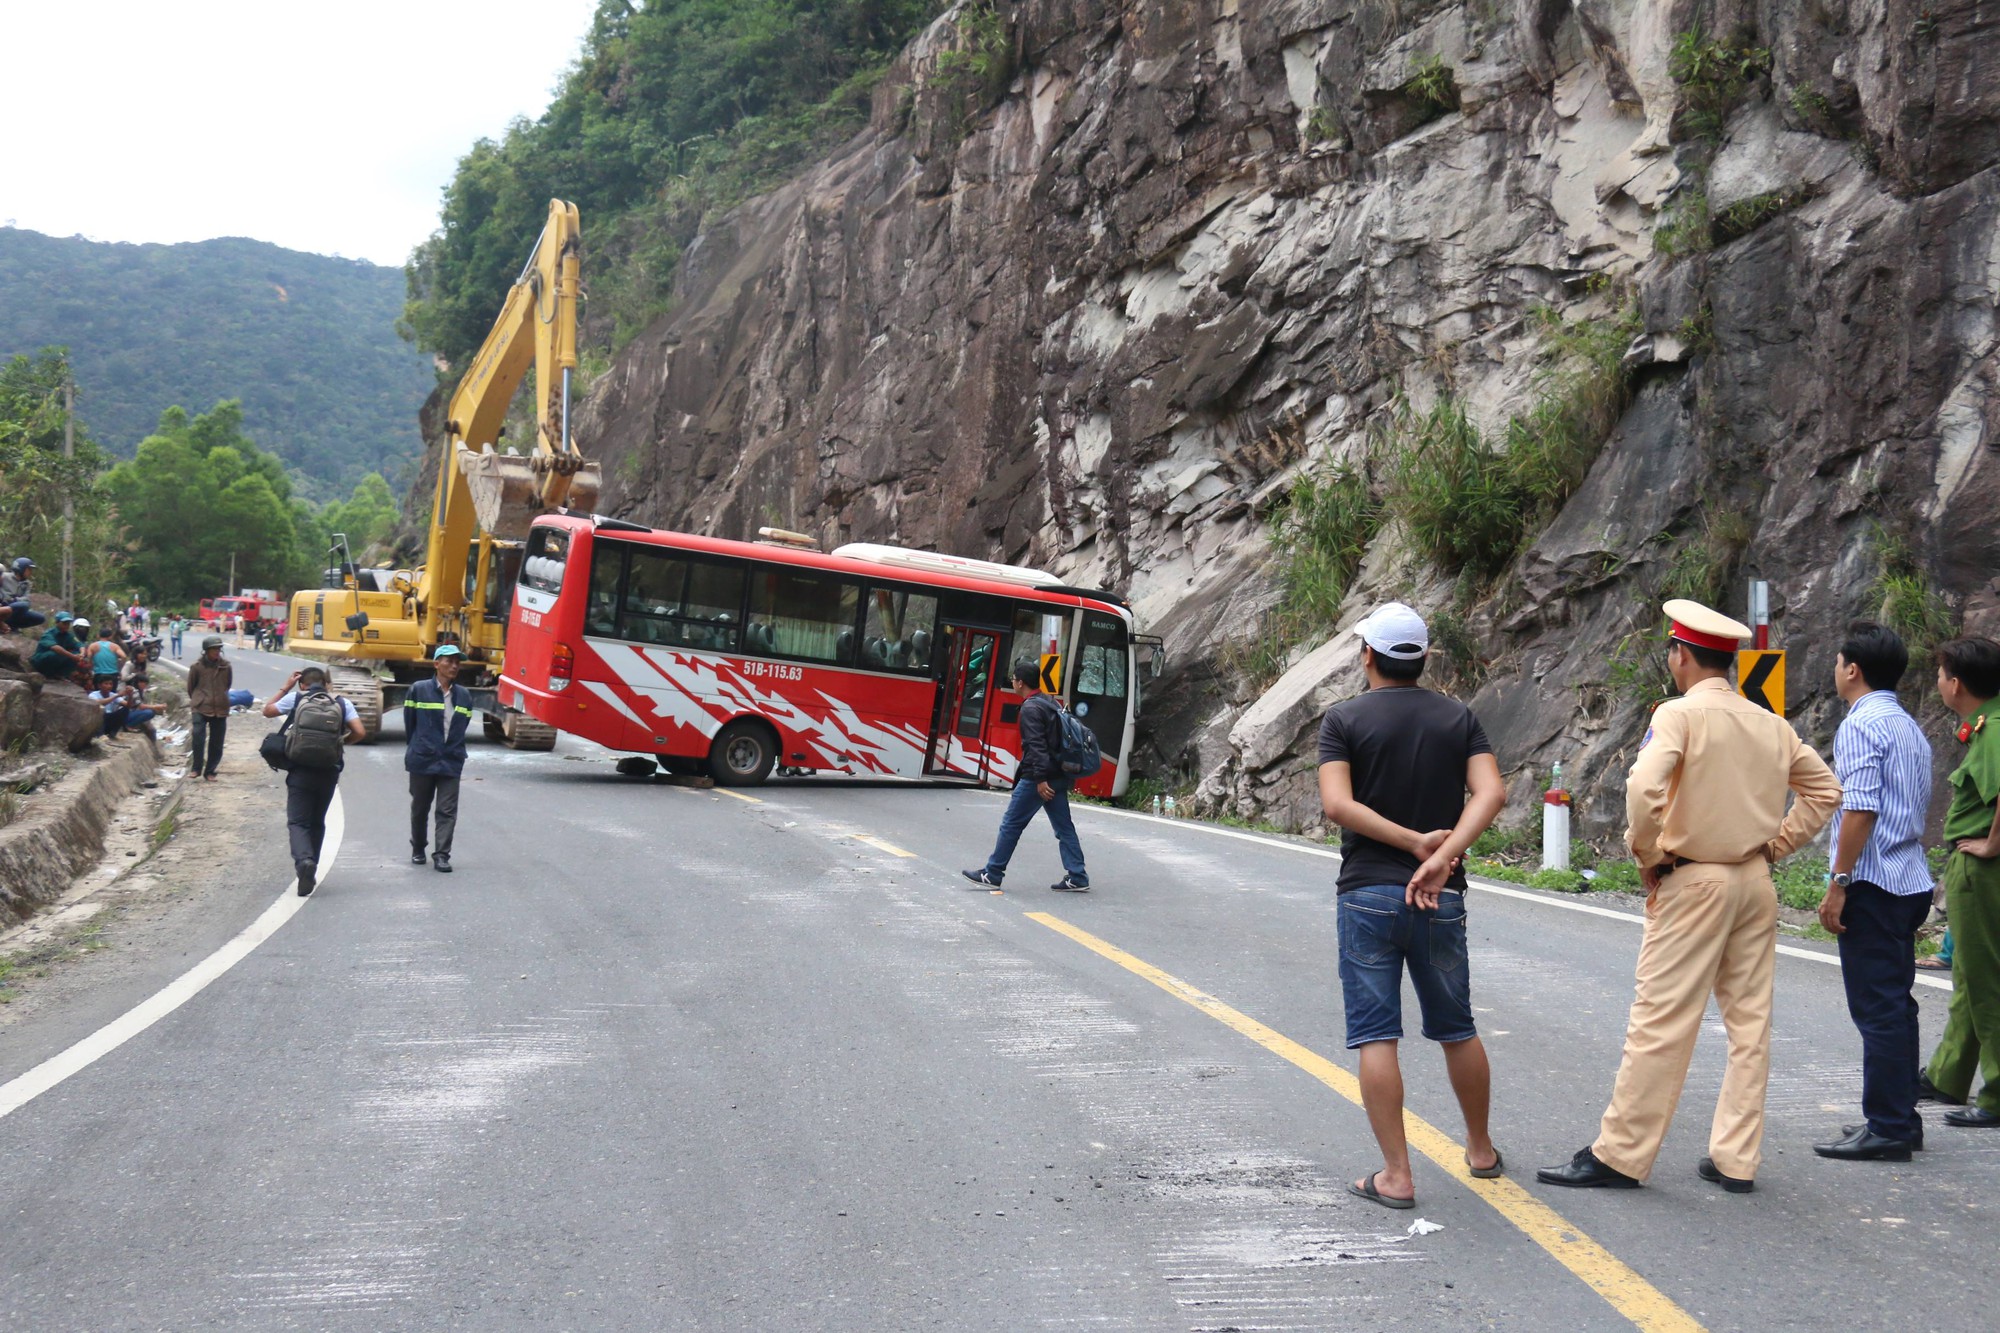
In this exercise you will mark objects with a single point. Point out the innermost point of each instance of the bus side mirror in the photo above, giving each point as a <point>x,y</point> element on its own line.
<point>1156,665</point>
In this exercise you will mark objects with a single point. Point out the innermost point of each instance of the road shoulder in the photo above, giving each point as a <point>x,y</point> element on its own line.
<point>176,880</point>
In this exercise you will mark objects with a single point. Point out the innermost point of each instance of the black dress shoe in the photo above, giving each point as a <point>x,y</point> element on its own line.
<point>1927,1092</point>
<point>442,862</point>
<point>1972,1117</point>
<point>1863,1144</point>
<point>1584,1171</point>
<point>1917,1143</point>
<point>417,856</point>
<point>305,871</point>
<point>1705,1168</point>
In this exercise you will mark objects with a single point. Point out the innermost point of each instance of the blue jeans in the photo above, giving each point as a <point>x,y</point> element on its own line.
<point>1378,932</point>
<point>22,616</point>
<point>126,719</point>
<point>1021,807</point>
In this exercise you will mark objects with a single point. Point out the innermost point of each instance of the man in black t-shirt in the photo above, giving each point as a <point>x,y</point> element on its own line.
<point>1395,764</point>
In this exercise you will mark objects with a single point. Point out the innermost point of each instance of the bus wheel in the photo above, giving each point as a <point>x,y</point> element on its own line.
<point>743,754</point>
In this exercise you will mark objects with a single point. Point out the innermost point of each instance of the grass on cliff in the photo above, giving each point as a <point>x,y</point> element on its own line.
<point>1906,600</point>
<point>1469,507</point>
<point>1715,74</point>
<point>1321,531</point>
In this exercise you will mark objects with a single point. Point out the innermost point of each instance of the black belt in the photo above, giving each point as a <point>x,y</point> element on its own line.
<point>1666,868</point>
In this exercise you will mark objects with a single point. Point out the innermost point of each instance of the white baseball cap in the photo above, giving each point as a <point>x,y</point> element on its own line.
<point>1394,630</point>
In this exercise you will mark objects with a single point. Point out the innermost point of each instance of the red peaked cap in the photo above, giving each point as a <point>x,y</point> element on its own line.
<point>1721,643</point>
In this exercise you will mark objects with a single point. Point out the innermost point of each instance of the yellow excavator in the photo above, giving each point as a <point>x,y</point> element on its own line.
<point>378,628</point>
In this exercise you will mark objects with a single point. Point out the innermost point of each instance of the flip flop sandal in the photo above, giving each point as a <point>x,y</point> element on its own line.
<point>1493,1172</point>
<point>1933,964</point>
<point>1366,1190</point>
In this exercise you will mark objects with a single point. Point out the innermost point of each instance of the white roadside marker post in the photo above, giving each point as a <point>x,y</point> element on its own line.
<point>1555,824</point>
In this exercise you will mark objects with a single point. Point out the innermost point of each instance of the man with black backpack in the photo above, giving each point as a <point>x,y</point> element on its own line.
<point>1041,783</point>
<point>318,724</point>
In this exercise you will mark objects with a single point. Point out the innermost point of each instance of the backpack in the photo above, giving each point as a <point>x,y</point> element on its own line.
<point>1077,752</point>
<point>313,738</point>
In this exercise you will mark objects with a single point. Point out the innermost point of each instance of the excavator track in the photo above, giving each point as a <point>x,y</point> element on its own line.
<point>518,731</point>
<point>362,690</point>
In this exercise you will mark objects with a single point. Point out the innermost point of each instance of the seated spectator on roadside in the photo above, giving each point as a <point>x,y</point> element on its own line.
<point>142,707</point>
<point>15,585</point>
<point>122,707</point>
<point>106,657</point>
<point>59,653</point>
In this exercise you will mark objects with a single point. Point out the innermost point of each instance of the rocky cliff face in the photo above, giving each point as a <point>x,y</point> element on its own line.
<point>1099,314</point>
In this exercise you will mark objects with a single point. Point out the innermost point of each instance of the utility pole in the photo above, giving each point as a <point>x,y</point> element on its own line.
<point>231,589</point>
<point>69,497</point>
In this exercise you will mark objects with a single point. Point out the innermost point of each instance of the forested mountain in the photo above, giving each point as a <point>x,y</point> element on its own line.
<point>308,343</point>
<point>676,110</point>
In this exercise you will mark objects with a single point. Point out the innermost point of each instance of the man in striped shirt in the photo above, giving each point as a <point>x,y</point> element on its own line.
<point>1879,889</point>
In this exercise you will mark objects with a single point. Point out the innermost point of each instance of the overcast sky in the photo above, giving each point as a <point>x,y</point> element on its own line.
<point>327,127</point>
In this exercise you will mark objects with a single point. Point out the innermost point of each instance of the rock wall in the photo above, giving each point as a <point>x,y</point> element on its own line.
<point>1187,249</point>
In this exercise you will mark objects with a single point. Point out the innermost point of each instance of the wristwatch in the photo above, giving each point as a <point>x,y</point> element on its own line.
<point>1840,881</point>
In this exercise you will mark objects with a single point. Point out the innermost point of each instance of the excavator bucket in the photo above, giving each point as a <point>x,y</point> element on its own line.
<point>507,490</point>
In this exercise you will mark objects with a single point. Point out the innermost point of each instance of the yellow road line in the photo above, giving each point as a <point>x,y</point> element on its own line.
<point>1603,1272</point>
<point>882,846</point>
<point>724,791</point>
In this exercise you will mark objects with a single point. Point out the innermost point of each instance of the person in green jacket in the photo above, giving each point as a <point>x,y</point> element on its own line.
<point>1969,683</point>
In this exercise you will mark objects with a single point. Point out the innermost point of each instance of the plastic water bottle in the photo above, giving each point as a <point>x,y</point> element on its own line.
<point>1170,808</point>
<point>1156,805</point>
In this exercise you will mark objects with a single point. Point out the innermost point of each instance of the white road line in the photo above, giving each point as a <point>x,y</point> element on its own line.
<point>18,1092</point>
<point>1546,900</point>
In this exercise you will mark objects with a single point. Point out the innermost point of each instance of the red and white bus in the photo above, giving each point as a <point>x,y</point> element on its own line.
<point>735,658</point>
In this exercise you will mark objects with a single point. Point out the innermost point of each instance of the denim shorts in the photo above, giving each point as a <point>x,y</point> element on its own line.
<point>1378,932</point>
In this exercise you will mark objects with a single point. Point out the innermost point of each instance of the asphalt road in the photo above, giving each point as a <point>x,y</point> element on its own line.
<point>662,1058</point>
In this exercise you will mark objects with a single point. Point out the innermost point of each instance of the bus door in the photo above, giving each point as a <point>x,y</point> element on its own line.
<point>966,690</point>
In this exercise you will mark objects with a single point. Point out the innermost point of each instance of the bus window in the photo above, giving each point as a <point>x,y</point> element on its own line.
<point>972,692</point>
<point>1038,631</point>
<point>898,629</point>
<point>653,588</point>
<point>797,613</point>
<point>607,566</point>
<point>1099,677</point>
<point>542,570</point>
<point>683,603</point>
<point>714,604</point>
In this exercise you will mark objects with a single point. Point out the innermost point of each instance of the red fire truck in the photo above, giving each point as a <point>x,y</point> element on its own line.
<point>247,608</point>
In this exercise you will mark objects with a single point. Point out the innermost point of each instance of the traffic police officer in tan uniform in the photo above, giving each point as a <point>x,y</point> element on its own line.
<point>1706,809</point>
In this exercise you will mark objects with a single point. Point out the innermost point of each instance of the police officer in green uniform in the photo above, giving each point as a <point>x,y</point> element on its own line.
<point>1969,682</point>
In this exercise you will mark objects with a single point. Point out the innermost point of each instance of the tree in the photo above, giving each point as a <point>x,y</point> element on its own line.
<point>35,479</point>
<point>366,517</point>
<point>199,495</point>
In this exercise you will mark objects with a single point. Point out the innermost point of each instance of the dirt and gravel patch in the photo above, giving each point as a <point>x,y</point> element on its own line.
<point>184,866</point>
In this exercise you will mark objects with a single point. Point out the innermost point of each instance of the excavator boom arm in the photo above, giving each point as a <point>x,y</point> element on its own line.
<point>484,495</point>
